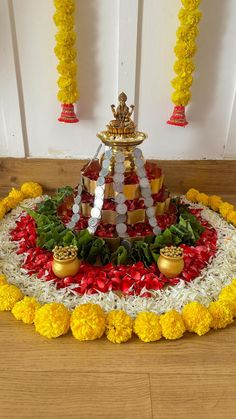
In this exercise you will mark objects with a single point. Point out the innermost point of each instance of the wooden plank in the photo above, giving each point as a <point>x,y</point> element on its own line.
<point>74,395</point>
<point>210,176</point>
<point>193,396</point>
<point>212,354</point>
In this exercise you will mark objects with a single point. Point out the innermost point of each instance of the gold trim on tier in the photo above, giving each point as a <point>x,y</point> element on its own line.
<point>133,217</point>
<point>131,192</point>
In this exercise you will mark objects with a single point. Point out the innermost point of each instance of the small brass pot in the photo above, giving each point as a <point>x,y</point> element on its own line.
<point>67,267</point>
<point>170,266</point>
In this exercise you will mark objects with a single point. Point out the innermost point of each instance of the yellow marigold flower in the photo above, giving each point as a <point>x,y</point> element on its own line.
<point>3,279</point>
<point>203,198</point>
<point>182,83</point>
<point>65,6</point>
<point>181,98</point>
<point>186,32</point>
<point>233,283</point>
<point>25,310</point>
<point>9,203</point>
<point>185,49</point>
<point>192,194</point>
<point>215,202</point>
<point>52,320</point>
<point>172,325</point>
<point>9,296</point>
<point>2,210</point>
<point>17,195</point>
<point>197,318</point>
<point>231,217</point>
<point>190,4</point>
<point>68,95</point>
<point>87,322</point>
<point>67,69</point>
<point>225,208</point>
<point>191,18</point>
<point>221,313</point>
<point>147,327</point>
<point>118,326</point>
<point>65,54</point>
<point>184,67</point>
<point>31,189</point>
<point>66,82</point>
<point>228,294</point>
<point>63,20</point>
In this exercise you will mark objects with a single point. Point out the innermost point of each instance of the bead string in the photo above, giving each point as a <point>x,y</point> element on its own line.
<point>146,190</point>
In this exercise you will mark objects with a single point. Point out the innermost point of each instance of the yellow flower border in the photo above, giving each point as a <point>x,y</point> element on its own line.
<point>89,321</point>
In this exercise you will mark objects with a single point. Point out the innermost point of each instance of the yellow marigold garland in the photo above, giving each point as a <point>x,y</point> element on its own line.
<point>197,318</point>
<point>87,322</point>
<point>185,48</point>
<point>226,210</point>
<point>52,320</point>
<point>172,325</point>
<point>119,326</point>
<point>147,327</point>
<point>15,196</point>
<point>25,310</point>
<point>9,296</point>
<point>65,51</point>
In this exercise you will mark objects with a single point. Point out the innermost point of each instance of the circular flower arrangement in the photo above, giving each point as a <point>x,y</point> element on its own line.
<point>116,299</point>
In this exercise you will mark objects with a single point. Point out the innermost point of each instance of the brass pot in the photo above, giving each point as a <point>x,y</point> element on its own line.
<point>67,267</point>
<point>170,266</point>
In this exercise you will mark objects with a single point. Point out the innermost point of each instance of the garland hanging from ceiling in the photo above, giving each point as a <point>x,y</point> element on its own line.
<point>65,51</point>
<point>185,48</point>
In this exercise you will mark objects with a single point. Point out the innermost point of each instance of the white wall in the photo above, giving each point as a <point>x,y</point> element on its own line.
<point>107,30</point>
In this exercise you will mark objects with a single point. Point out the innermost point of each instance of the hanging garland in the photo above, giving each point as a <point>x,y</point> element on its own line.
<point>66,53</point>
<point>185,48</point>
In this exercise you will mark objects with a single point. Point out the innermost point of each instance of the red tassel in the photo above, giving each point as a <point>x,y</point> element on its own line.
<point>68,114</point>
<point>178,117</point>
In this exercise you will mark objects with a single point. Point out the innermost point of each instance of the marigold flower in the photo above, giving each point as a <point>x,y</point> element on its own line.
<point>231,217</point>
<point>188,17</point>
<point>65,6</point>
<point>228,294</point>
<point>17,195</point>
<point>184,67</point>
<point>67,69</point>
<point>52,320</point>
<point>118,326</point>
<point>182,83</point>
<point>9,203</point>
<point>2,210</point>
<point>197,318</point>
<point>203,198</point>
<point>225,208</point>
<point>3,279</point>
<point>31,189</point>
<point>221,313</point>
<point>9,296</point>
<point>215,202</point>
<point>187,32</point>
<point>25,310</point>
<point>185,49</point>
<point>87,322</point>
<point>147,327</point>
<point>172,325</point>
<point>192,194</point>
<point>181,98</point>
<point>190,4</point>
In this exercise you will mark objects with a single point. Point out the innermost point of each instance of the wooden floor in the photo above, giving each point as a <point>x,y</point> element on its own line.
<point>190,378</point>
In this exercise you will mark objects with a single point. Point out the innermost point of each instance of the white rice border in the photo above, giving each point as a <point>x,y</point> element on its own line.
<point>204,289</point>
